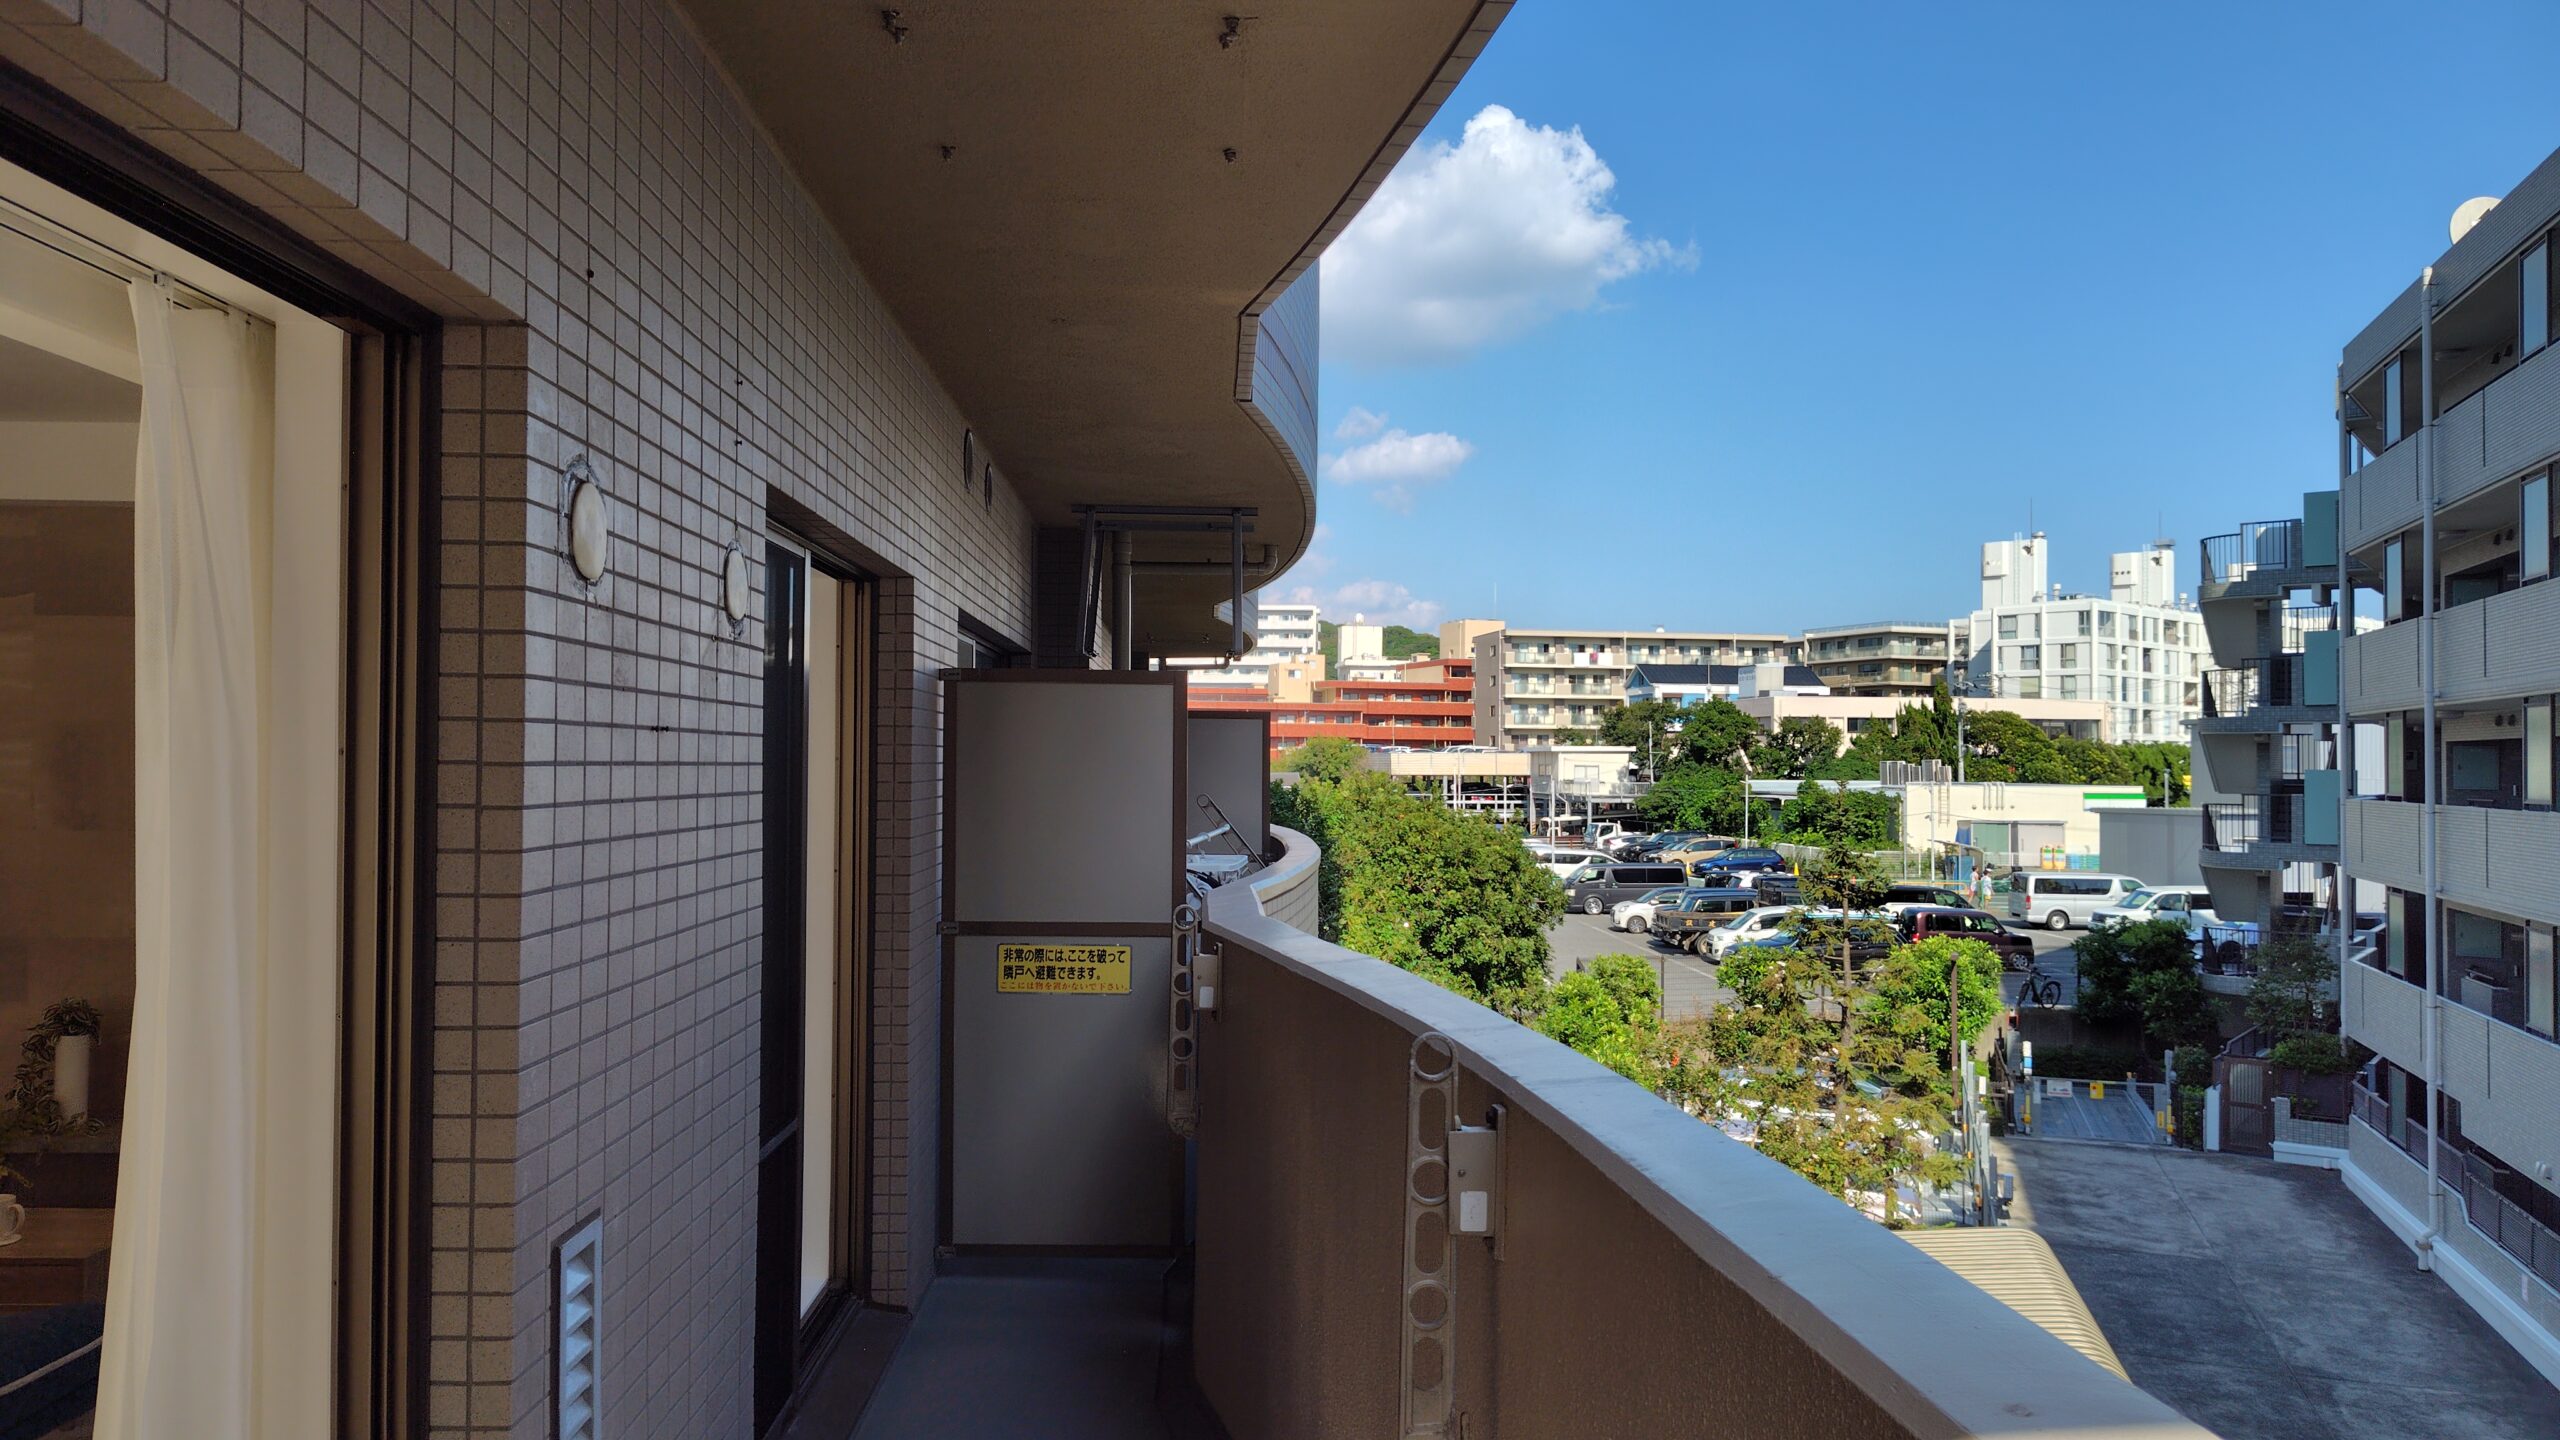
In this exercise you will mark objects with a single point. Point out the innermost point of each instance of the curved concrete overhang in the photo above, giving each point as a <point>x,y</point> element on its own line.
<point>1090,218</point>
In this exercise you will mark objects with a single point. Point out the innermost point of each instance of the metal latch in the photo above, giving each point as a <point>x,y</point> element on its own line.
<point>1182,1041</point>
<point>1475,1178</point>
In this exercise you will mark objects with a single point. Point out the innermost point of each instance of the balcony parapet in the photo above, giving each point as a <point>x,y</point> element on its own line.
<point>1608,1193</point>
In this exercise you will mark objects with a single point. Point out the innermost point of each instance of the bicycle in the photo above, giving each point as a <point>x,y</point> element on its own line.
<point>2039,988</point>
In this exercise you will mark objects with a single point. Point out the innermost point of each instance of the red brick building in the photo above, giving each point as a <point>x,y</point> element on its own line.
<point>1430,705</point>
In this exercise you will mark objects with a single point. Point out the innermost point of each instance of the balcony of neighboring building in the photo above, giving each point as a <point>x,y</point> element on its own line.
<point>2496,376</point>
<point>1623,1263</point>
<point>2496,856</point>
<point>2278,827</point>
<point>2497,622</point>
<point>2270,558</point>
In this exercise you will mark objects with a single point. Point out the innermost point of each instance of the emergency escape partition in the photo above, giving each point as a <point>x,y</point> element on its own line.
<point>1062,873</point>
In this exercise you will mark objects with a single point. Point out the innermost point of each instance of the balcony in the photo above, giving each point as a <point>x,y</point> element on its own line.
<point>2470,1179</point>
<point>2297,687</point>
<point>2263,832</point>
<point>2495,648</point>
<point>1632,1240</point>
<point>2489,859</point>
<point>2264,557</point>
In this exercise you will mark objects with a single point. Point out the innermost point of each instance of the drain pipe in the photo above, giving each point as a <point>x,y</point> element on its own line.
<point>2432,1038</point>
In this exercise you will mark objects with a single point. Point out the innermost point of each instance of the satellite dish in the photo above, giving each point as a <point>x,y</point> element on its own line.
<point>2468,213</point>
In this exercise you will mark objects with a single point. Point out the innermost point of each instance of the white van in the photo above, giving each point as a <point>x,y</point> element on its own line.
<point>2188,905</point>
<point>2060,899</point>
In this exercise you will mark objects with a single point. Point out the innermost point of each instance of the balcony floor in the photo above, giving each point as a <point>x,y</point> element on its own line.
<point>1071,1349</point>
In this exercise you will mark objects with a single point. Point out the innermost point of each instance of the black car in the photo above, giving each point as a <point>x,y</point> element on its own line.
<point>1780,890</point>
<point>1922,922</point>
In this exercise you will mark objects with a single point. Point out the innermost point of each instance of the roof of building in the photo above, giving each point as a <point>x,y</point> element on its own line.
<point>1932,627</point>
<point>1715,675</point>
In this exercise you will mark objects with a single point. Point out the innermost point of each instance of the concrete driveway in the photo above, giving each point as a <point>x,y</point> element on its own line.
<point>2265,1303</point>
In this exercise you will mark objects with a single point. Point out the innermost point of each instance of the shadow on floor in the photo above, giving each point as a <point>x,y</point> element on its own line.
<point>2266,1303</point>
<point>1058,1349</point>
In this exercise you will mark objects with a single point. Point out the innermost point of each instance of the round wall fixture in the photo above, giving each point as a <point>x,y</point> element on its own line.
<point>590,526</point>
<point>735,592</point>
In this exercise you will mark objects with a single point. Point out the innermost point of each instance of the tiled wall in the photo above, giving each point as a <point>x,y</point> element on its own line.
<point>648,286</point>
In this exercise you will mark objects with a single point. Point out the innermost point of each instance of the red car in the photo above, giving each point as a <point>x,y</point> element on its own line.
<point>1923,921</point>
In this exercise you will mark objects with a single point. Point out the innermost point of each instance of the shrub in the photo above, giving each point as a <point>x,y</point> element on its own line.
<point>2312,1055</point>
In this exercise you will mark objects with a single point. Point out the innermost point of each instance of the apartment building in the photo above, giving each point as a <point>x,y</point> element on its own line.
<point>2140,648</point>
<point>1883,657</point>
<point>1694,684</point>
<point>1533,684</point>
<point>2449,427</point>
<point>1284,633</point>
<point>1422,705</point>
<point>2268,740</point>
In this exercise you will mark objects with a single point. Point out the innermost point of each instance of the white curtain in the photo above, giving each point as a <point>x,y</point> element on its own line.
<point>182,1301</point>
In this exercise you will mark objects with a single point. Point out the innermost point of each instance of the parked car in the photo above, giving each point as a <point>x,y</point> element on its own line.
<point>1683,923</point>
<point>1709,872</point>
<point>1779,888</point>
<point>1694,847</point>
<point>1922,922</point>
<point>2060,899</point>
<point>1750,924</point>
<point>1563,862</point>
<point>1629,847</point>
<point>1637,915</point>
<point>1867,943</point>
<point>1751,857</point>
<point>2182,903</point>
<point>1594,888</point>
<point>1909,893</point>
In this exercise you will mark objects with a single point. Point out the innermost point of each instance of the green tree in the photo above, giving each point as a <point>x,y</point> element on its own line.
<point>2290,996</point>
<point>1716,733</point>
<point>1694,797</point>
<point>1907,1002</point>
<point>1439,892</point>
<point>1400,643</point>
<point>1838,815</point>
<point>1644,726</point>
<point>1780,1068</point>
<point>2145,975</point>
<point>1571,735</point>
<point>1799,745</point>
<point>1326,757</point>
<point>1610,1012</point>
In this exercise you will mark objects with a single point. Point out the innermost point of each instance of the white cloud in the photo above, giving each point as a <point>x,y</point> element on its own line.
<point>1384,602</point>
<point>1394,463</point>
<point>1360,424</point>
<point>1471,244</point>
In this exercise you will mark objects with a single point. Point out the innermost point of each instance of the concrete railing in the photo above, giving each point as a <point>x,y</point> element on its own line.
<point>1651,1276</point>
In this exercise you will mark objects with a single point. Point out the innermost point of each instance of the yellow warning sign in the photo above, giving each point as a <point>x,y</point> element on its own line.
<point>1063,969</point>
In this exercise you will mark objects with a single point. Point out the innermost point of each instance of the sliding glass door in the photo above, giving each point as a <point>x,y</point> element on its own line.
<point>817,804</point>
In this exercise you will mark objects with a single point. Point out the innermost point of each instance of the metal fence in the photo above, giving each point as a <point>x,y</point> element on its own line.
<point>2474,1180</point>
<point>2258,545</point>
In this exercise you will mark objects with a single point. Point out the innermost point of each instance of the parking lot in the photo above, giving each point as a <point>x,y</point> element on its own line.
<point>1689,984</point>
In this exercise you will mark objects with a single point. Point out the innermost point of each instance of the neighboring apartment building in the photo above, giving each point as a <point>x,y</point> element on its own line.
<point>2449,431</point>
<point>1694,684</point>
<point>1284,632</point>
<point>2267,741</point>
<point>1533,684</point>
<point>2084,719</point>
<point>2140,649</point>
<point>1883,657</point>
<point>1425,705</point>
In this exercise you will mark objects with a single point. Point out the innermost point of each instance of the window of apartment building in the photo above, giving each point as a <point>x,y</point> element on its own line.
<point>2031,687</point>
<point>2537,753</point>
<point>2541,984</point>
<point>2533,293</point>
<point>2067,687</point>
<point>2534,531</point>
<point>2106,622</point>
<point>2008,627</point>
<point>2399,398</point>
<point>2070,657</point>
<point>2397,601</point>
<point>2028,657</point>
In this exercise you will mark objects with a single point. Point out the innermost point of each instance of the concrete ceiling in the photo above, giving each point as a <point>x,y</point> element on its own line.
<point>1043,194</point>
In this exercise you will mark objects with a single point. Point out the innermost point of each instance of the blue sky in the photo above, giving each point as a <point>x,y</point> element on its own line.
<point>1864,281</point>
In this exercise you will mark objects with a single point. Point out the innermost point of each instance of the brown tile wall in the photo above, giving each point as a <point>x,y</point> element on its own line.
<point>644,283</point>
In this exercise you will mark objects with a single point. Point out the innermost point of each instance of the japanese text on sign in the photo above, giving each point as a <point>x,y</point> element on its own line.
<point>1063,969</point>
